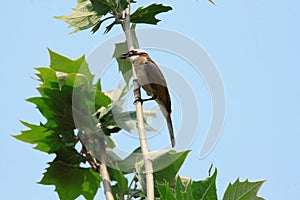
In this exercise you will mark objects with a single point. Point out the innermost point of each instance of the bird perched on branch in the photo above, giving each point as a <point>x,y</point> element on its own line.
<point>151,79</point>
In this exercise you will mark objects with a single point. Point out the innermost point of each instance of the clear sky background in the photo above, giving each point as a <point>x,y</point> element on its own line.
<point>255,46</point>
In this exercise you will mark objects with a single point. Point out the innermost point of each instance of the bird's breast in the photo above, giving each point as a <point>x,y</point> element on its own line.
<point>143,79</point>
<point>141,74</point>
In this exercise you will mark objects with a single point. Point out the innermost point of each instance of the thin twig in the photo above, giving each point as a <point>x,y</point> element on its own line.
<point>139,111</point>
<point>134,180</point>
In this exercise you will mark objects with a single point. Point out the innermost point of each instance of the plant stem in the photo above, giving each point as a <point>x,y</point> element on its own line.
<point>103,171</point>
<point>139,111</point>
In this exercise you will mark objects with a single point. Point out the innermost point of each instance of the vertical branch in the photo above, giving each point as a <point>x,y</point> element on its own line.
<point>103,170</point>
<point>86,139</point>
<point>139,111</point>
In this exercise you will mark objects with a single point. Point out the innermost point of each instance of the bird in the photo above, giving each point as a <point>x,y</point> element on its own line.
<point>152,80</point>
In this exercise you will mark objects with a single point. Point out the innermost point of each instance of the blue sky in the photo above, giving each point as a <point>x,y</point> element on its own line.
<point>255,47</point>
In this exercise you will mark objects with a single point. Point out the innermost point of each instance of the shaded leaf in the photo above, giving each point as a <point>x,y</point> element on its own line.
<point>69,155</point>
<point>147,14</point>
<point>101,100</point>
<point>121,187</point>
<point>125,66</point>
<point>165,192</point>
<point>102,7</point>
<point>109,27</point>
<point>97,26</point>
<point>71,181</point>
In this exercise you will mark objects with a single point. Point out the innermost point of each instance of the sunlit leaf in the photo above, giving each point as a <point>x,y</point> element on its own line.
<point>243,190</point>
<point>63,64</point>
<point>83,16</point>
<point>43,138</point>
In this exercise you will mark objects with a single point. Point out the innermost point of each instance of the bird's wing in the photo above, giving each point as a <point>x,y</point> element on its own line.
<point>158,84</point>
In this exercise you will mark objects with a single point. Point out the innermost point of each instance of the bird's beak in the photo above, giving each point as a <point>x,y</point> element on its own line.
<point>124,56</point>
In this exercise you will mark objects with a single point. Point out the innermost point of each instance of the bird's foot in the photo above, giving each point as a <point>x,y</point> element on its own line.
<point>139,99</point>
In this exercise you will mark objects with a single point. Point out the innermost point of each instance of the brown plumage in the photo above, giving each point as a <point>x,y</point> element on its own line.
<point>151,79</point>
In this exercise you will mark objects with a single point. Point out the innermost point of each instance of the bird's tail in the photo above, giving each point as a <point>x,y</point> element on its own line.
<point>170,127</point>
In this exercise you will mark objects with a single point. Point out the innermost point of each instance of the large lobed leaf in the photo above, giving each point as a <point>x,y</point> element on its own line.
<point>192,190</point>
<point>205,189</point>
<point>66,87</point>
<point>92,13</point>
<point>243,190</point>
<point>41,136</point>
<point>71,181</point>
<point>60,63</point>
<point>68,100</point>
<point>83,16</point>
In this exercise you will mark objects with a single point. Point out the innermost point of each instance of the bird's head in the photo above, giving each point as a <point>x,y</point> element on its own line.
<point>134,54</point>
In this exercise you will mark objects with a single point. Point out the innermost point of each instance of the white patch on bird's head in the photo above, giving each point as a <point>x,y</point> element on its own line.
<point>132,58</point>
<point>139,51</point>
<point>135,53</point>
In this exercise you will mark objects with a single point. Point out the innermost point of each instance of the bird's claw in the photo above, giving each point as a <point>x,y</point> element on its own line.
<point>138,99</point>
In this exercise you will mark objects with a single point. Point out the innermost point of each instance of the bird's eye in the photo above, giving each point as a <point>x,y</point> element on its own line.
<point>133,52</point>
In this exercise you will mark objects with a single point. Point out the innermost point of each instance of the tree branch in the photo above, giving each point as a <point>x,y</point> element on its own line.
<point>97,165</point>
<point>103,170</point>
<point>139,111</point>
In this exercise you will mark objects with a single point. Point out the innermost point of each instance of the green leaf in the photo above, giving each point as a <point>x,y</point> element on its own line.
<point>243,190</point>
<point>121,187</point>
<point>188,189</point>
<point>130,163</point>
<point>205,189</point>
<point>98,85</point>
<point>42,103</point>
<point>101,100</point>
<point>179,189</point>
<point>60,104</point>
<point>109,27</point>
<point>70,182</point>
<point>63,64</point>
<point>48,77</point>
<point>113,118</point>
<point>167,164</point>
<point>165,192</point>
<point>102,7</point>
<point>97,26</point>
<point>45,139</point>
<point>69,155</point>
<point>125,66</point>
<point>83,17</point>
<point>147,14</point>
